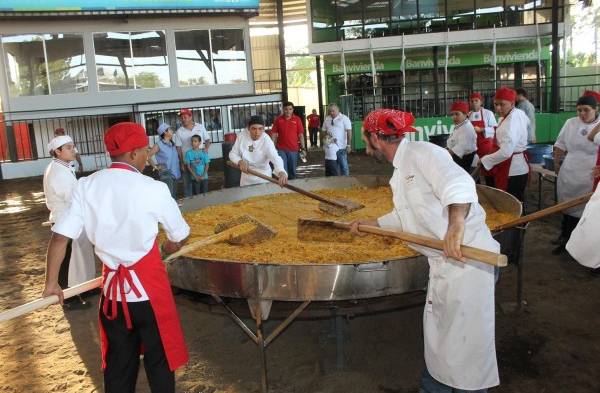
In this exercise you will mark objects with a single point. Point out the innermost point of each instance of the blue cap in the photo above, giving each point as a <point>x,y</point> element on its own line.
<point>163,128</point>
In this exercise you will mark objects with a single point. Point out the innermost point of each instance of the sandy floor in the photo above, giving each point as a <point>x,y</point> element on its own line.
<point>552,345</point>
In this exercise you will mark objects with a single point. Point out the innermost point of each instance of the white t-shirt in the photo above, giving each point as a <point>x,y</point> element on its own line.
<point>120,211</point>
<point>183,137</point>
<point>337,129</point>
<point>331,151</point>
<point>463,139</point>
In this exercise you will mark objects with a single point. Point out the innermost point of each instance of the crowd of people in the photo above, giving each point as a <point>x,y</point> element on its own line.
<point>434,194</point>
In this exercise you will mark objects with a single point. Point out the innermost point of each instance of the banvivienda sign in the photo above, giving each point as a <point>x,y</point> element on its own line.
<point>426,62</point>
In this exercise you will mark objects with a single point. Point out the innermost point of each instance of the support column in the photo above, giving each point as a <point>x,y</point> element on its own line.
<point>555,103</point>
<point>319,86</point>
<point>283,71</point>
<point>436,81</point>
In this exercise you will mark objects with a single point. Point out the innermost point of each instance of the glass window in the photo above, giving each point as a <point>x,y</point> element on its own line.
<point>25,65</point>
<point>131,60</point>
<point>517,13</point>
<point>350,18</point>
<point>323,20</point>
<point>66,63</point>
<point>150,59</point>
<point>194,62</point>
<point>229,56</point>
<point>489,13</point>
<point>113,61</point>
<point>404,9</point>
<point>212,119</point>
<point>460,14</point>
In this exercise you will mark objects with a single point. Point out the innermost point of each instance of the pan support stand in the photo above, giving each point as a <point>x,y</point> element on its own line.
<point>260,310</point>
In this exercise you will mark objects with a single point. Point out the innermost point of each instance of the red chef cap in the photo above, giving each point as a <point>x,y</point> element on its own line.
<point>125,137</point>
<point>389,122</point>
<point>476,96</point>
<point>459,106</point>
<point>591,93</point>
<point>505,93</point>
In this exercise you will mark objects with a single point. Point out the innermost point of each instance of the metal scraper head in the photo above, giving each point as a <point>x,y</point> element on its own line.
<point>323,231</point>
<point>259,233</point>
<point>340,208</point>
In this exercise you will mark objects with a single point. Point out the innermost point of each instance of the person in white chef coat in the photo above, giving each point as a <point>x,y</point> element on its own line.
<point>255,150</point>
<point>575,173</point>
<point>462,143</point>
<point>433,196</point>
<point>583,243</point>
<point>59,183</point>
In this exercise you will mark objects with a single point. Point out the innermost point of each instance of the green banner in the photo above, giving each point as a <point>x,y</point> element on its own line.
<point>504,56</point>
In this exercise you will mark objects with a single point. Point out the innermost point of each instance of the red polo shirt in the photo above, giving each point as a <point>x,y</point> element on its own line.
<point>313,121</point>
<point>287,131</point>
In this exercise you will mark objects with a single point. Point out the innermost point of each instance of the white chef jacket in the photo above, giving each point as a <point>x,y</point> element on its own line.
<point>458,321</point>
<point>463,139</point>
<point>583,244</point>
<point>337,129</point>
<point>183,137</point>
<point>511,135</point>
<point>263,152</point>
<point>575,175</point>
<point>120,211</point>
<point>488,118</point>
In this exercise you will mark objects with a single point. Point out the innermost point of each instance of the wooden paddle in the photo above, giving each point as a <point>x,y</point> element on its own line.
<point>545,212</point>
<point>244,229</point>
<point>309,229</point>
<point>340,207</point>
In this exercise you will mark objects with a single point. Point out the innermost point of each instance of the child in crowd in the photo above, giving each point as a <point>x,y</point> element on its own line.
<point>331,164</point>
<point>197,161</point>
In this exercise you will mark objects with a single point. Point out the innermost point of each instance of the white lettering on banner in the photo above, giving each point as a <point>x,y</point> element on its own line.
<point>424,131</point>
<point>428,62</point>
<point>357,67</point>
<point>512,57</point>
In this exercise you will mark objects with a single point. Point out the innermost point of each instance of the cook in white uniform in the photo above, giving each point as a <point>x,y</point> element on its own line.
<point>462,143</point>
<point>434,197</point>
<point>583,244</point>
<point>59,182</point>
<point>255,150</point>
<point>575,173</point>
<point>484,120</point>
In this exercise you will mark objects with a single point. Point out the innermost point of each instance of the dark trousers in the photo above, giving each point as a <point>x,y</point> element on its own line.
<point>516,186</point>
<point>464,162</point>
<point>567,226</point>
<point>123,356</point>
<point>199,187</point>
<point>332,168</point>
<point>63,273</point>
<point>313,135</point>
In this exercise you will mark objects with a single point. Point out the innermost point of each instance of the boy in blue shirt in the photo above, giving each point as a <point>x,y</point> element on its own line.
<point>197,161</point>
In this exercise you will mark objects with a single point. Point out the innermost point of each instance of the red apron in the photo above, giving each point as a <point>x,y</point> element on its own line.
<point>484,145</point>
<point>596,180</point>
<point>500,171</point>
<point>152,274</point>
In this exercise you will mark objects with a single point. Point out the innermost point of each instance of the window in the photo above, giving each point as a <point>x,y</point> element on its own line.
<point>135,60</point>
<point>460,14</point>
<point>377,18</point>
<point>45,64</point>
<point>229,56</point>
<point>194,62</point>
<point>323,20</point>
<point>489,13</point>
<point>350,14</point>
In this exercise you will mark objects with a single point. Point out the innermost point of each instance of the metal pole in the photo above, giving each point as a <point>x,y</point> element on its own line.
<point>494,58</point>
<point>282,67</point>
<point>539,66</point>
<point>319,86</point>
<point>436,81</point>
<point>446,69</point>
<point>403,69</point>
<point>555,59</point>
<point>262,352</point>
<point>343,59</point>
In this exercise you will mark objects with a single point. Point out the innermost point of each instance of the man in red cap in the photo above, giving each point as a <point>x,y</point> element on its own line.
<point>484,123</point>
<point>507,162</point>
<point>120,210</point>
<point>434,197</point>
<point>183,143</point>
<point>462,144</point>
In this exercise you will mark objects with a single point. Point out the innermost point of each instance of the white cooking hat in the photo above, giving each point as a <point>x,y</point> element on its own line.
<point>58,141</point>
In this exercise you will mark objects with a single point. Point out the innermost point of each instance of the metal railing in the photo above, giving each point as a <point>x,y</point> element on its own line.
<point>27,138</point>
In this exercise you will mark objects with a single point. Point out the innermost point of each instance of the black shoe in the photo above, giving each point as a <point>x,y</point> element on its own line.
<point>75,303</point>
<point>559,250</point>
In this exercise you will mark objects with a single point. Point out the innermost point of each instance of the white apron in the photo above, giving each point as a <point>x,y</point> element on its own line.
<point>59,182</point>
<point>583,244</point>
<point>575,176</point>
<point>259,155</point>
<point>458,320</point>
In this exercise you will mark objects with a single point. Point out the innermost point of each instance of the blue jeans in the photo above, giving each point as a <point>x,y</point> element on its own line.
<point>199,187</point>
<point>187,183</point>
<point>167,178</point>
<point>430,385</point>
<point>342,160</point>
<point>290,161</point>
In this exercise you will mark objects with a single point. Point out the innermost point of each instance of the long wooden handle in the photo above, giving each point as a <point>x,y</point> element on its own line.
<point>290,187</point>
<point>47,301</point>
<point>96,282</point>
<point>545,212</point>
<point>491,258</point>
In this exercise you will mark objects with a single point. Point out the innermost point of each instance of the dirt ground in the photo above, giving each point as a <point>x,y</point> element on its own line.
<point>551,345</point>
